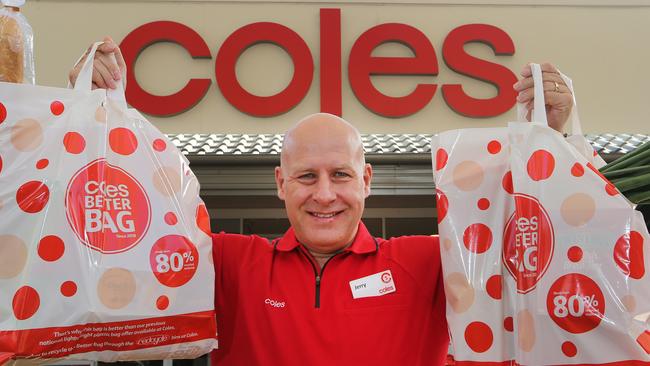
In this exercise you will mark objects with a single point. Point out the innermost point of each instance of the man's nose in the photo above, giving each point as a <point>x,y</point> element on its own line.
<point>325,192</point>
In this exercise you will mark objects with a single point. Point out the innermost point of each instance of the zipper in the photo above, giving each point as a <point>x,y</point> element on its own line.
<point>317,274</point>
<point>317,303</point>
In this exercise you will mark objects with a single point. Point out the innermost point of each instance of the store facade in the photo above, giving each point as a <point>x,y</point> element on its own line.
<point>224,80</point>
<point>393,69</point>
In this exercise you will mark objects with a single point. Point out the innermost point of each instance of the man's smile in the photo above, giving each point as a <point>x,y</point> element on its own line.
<point>324,215</point>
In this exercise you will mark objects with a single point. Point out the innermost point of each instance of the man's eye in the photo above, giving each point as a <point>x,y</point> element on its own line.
<point>341,174</point>
<point>307,176</point>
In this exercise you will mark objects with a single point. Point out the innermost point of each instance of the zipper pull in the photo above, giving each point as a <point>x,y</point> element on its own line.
<point>317,304</point>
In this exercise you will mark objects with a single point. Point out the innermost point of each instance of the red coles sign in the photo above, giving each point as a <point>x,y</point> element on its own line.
<point>361,65</point>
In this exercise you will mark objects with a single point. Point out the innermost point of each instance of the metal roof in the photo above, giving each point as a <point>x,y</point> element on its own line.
<point>242,164</point>
<point>623,143</point>
<point>374,144</point>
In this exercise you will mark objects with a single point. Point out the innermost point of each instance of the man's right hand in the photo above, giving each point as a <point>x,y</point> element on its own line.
<point>106,73</point>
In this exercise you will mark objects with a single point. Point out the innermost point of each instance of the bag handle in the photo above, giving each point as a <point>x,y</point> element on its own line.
<point>84,79</point>
<point>576,127</point>
<point>118,95</point>
<point>539,103</point>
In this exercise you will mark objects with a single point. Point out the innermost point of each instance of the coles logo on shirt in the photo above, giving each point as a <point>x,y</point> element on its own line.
<point>528,242</point>
<point>107,208</point>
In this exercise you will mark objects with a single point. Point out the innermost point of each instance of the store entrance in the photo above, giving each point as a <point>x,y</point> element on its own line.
<point>384,216</point>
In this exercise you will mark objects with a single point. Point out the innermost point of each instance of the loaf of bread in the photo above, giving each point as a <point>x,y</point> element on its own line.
<point>12,65</point>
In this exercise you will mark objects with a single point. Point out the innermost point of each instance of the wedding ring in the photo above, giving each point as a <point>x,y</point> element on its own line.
<point>557,87</point>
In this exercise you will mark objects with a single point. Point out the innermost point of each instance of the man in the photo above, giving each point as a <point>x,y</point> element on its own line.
<point>327,292</point>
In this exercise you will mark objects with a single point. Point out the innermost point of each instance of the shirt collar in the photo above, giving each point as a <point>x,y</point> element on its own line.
<point>363,242</point>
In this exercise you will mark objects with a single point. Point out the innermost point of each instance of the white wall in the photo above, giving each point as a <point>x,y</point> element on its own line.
<point>603,45</point>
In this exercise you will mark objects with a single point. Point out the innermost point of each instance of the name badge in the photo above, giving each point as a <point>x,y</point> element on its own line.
<point>377,284</point>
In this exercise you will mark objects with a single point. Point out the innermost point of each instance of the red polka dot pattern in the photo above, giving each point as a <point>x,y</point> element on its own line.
<point>57,108</point>
<point>540,165</point>
<point>483,204</point>
<point>170,218</point>
<point>442,203</point>
<point>479,337</point>
<point>159,145</point>
<point>68,288</point>
<point>644,341</point>
<point>50,248</point>
<point>3,112</point>
<point>628,254</point>
<point>508,324</point>
<point>74,143</point>
<point>203,219</point>
<point>162,302</point>
<point>569,349</point>
<point>25,303</point>
<point>441,159</point>
<point>506,182</point>
<point>42,164</point>
<point>32,196</point>
<point>577,170</point>
<point>477,238</point>
<point>611,190</point>
<point>494,147</point>
<point>494,287</point>
<point>122,141</point>
<point>574,254</point>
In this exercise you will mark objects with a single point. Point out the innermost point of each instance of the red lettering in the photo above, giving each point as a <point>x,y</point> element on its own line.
<point>499,76</point>
<point>330,61</point>
<point>361,65</point>
<point>163,31</point>
<point>247,36</point>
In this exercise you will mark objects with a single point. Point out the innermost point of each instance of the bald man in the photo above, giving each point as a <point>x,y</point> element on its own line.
<point>324,212</point>
<point>327,292</point>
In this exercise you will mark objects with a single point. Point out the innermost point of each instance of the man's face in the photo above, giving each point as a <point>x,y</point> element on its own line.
<point>324,182</point>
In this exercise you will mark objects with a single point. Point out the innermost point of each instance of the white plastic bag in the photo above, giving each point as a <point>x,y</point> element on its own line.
<point>542,257</point>
<point>105,248</point>
<point>16,44</point>
<point>576,138</point>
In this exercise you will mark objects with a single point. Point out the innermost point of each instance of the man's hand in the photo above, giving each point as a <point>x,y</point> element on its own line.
<point>106,73</point>
<point>559,99</point>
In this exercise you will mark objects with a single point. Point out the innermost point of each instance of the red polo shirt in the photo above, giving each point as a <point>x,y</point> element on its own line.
<point>275,306</point>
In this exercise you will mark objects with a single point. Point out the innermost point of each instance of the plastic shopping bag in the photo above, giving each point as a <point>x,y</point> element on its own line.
<point>473,191</point>
<point>16,44</point>
<point>105,249</point>
<point>543,258</point>
<point>576,138</point>
<point>590,298</point>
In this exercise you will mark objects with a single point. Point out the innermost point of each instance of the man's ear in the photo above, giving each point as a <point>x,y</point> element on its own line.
<point>367,178</point>
<point>279,182</point>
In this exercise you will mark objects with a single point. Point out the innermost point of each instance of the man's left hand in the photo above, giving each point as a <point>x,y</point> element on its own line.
<point>559,99</point>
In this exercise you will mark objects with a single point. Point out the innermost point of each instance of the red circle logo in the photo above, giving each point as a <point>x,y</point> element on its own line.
<point>174,260</point>
<point>575,303</point>
<point>528,242</point>
<point>386,277</point>
<point>107,208</point>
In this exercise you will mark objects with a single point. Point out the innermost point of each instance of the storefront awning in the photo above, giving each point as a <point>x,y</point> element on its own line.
<point>242,164</point>
<point>266,147</point>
